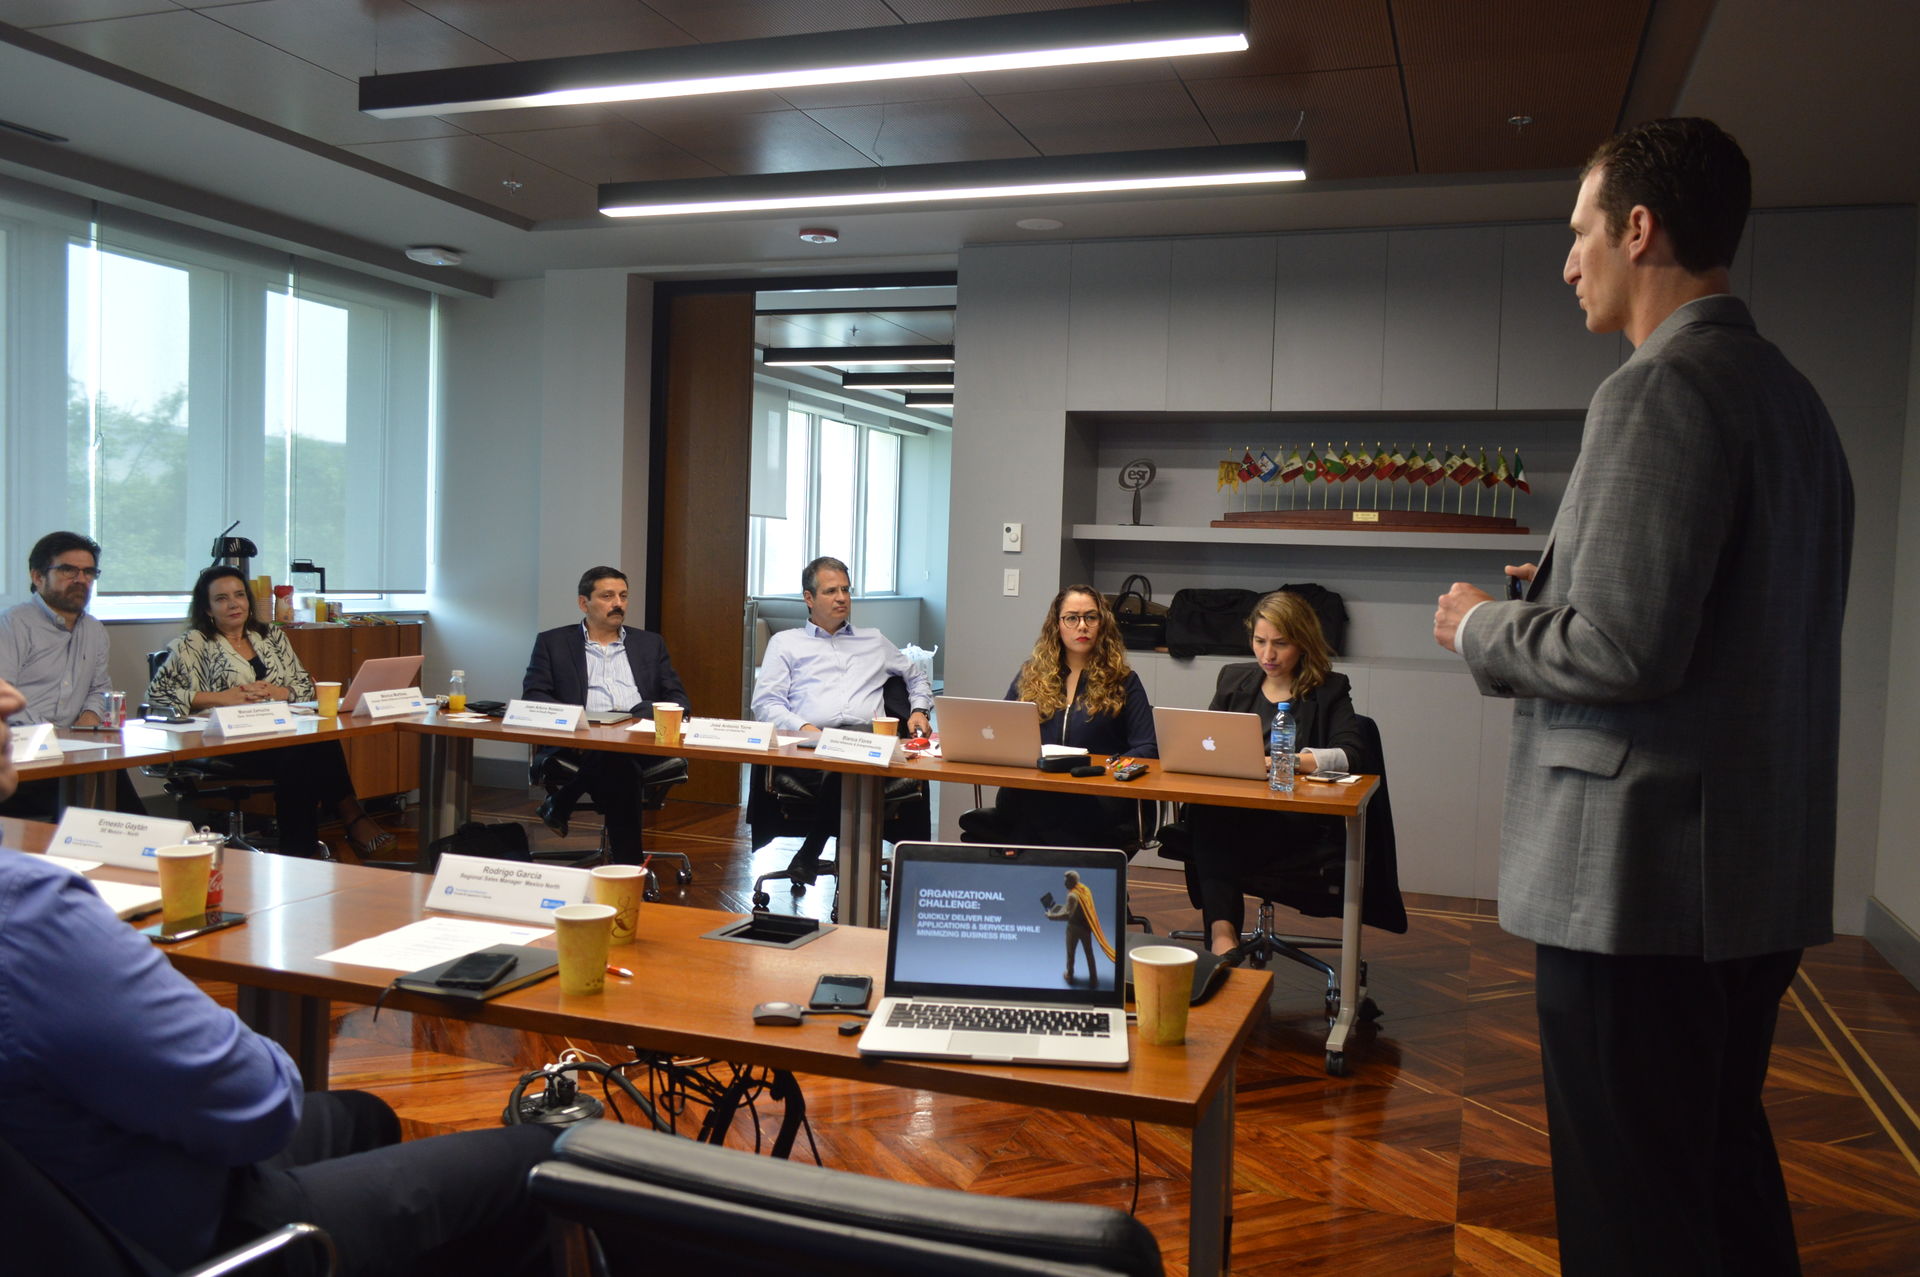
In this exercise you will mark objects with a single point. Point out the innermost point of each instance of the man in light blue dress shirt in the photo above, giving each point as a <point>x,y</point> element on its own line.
<point>830,673</point>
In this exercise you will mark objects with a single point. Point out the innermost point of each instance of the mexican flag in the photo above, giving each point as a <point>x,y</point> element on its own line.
<point>1436,470</point>
<point>1412,468</point>
<point>1462,471</point>
<point>1518,478</point>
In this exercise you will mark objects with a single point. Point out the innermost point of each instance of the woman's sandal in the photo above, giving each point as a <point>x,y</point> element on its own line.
<point>379,847</point>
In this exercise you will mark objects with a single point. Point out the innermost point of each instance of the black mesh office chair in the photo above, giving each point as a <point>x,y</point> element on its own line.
<point>662,1205</point>
<point>49,1231</point>
<point>552,770</point>
<point>1132,834</point>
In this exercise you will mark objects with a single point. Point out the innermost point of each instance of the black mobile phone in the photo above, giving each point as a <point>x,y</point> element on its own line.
<point>187,928</point>
<point>480,970</point>
<point>841,993</point>
<point>168,717</point>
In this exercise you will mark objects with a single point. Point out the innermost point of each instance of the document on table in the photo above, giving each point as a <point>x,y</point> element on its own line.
<point>421,944</point>
<point>641,725</point>
<point>191,725</point>
<point>128,899</point>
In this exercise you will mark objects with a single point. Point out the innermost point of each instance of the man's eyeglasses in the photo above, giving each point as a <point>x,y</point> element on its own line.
<point>1074,620</point>
<point>66,572</point>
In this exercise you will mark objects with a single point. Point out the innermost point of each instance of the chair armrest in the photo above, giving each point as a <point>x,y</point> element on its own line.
<point>270,1244</point>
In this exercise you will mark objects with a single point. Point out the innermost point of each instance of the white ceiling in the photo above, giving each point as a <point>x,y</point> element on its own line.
<point>1824,97</point>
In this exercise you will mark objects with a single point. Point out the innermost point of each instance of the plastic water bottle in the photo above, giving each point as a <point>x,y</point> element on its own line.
<point>1280,750</point>
<point>457,693</point>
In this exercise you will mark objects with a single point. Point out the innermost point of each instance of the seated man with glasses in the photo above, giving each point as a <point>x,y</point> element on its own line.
<point>55,653</point>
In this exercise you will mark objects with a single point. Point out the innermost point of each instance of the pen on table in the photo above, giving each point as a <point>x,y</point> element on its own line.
<point>619,971</point>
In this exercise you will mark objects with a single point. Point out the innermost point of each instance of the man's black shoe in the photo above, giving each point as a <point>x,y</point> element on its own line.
<point>554,816</point>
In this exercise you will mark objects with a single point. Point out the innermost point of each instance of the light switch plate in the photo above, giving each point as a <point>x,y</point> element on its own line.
<point>1010,582</point>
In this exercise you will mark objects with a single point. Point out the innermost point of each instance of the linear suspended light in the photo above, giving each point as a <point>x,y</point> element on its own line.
<point>896,381</point>
<point>960,46</point>
<point>927,399</point>
<point>1038,176</point>
<point>849,356</point>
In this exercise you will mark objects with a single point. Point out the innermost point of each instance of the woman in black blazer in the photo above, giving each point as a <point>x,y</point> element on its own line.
<point>1292,662</point>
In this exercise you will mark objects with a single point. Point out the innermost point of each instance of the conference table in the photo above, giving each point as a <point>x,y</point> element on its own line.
<point>691,995</point>
<point>446,754</point>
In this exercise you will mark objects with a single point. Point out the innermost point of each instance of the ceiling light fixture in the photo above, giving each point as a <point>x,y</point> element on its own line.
<point>433,255</point>
<point>820,235</point>
<point>896,380</point>
<point>929,399</point>
<point>1048,176</point>
<point>852,356</point>
<point>961,46</point>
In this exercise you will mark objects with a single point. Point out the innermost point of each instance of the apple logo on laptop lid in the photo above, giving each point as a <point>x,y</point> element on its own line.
<point>1206,743</point>
<point>986,733</point>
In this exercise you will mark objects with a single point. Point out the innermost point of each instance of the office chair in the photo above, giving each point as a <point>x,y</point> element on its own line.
<point>49,1231</point>
<point>782,802</point>
<point>1380,905</point>
<point>551,769</point>
<point>657,1204</point>
<point>982,824</point>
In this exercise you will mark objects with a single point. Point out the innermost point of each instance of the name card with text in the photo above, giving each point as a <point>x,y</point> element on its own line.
<point>729,733</point>
<point>36,744</point>
<point>856,747</point>
<point>393,703</point>
<point>116,837</point>
<point>510,889</point>
<point>561,718</point>
<point>251,720</point>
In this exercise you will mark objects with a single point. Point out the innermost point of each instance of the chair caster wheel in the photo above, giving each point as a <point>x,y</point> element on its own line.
<point>683,876</point>
<point>761,900</point>
<point>1337,1063</point>
<point>797,888</point>
<point>652,893</point>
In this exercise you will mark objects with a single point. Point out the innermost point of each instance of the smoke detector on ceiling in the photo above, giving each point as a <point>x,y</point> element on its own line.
<point>433,255</point>
<point>820,235</point>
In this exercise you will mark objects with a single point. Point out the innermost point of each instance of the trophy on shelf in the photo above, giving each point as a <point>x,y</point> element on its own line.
<point>1134,478</point>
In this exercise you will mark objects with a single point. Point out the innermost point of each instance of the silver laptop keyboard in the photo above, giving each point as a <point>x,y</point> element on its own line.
<point>970,1017</point>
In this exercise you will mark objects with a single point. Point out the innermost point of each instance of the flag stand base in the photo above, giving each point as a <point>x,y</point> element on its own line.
<point>1368,521</point>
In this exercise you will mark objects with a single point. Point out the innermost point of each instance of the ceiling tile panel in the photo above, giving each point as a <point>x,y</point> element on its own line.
<point>610,152</point>
<point>40,13</point>
<point>1355,125</point>
<point>478,167</point>
<point>712,106</point>
<point>195,53</point>
<point>919,89</point>
<point>350,39</point>
<point>773,142</point>
<point>1137,117</point>
<point>1460,111</point>
<point>925,132</point>
<point>1493,30</point>
<point>709,21</point>
<point>990,83</point>
<point>557,28</point>
<point>943,10</point>
<point>1303,35</point>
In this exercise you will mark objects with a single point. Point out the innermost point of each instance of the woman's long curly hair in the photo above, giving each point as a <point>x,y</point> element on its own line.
<point>1043,679</point>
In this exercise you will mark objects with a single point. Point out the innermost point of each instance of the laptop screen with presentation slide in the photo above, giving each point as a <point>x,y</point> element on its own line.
<point>1206,742</point>
<point>1005,954</point>
<point>380,674</point>
<point>999,733</point>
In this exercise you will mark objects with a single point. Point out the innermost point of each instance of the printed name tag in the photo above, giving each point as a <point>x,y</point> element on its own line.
<point>510,889</point>
<point>35,744</point>
<point>115,837</point>
<point>729,733</point>
<point>393,703</point>
<point>250,720</point>
<point>856,747</point>
<point>561,718</point>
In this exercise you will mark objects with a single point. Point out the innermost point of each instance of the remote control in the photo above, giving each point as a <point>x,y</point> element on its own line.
<point>1132,771</point>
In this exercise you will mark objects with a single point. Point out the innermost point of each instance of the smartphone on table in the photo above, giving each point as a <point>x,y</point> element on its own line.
<point>841,993</point>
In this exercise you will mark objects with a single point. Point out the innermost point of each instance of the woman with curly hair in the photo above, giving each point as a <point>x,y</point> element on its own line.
<point>1087,695</point>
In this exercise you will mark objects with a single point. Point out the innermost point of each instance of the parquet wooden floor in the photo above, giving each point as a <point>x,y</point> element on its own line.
<point>1429,1158</point>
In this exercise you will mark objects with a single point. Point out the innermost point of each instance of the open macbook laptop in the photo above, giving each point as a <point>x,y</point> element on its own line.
<point>1001,733</point>
<point>994,954</point>
<point>1210,742</point>
<point>380,674</point>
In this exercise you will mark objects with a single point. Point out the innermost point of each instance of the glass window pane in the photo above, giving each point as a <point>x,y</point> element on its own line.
<point>304,412</point>
<point>839,488</point>
<point>783,542</point>
<point>881,543</point>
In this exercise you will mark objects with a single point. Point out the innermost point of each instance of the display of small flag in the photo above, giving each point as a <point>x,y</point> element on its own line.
<point>1519,476</point>
<point>1499,474</point>
<point>1293,468</point>
<point>1435,470</point>
<point>1362,465</point>
<point>1269,468</point>
<point>1335,467</point>
<point>1249,468</point>
<point>1489,476</point>
<point>1413,469</point>
<point>1462,471</point>
<point>1314,470</point>
<point>1229,475</point>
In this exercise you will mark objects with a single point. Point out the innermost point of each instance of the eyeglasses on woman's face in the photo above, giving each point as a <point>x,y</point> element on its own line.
<point>1077,620</point>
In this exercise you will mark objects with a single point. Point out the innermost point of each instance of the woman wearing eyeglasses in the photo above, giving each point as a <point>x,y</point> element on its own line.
<point>1088,696</point>
<point>228,658</point>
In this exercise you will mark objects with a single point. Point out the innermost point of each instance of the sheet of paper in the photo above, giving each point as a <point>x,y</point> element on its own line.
<point>75,744</point>
<point>78,866</point>
<point>128,898</point>
<point>788,740</point>
<point>421,944</point>
<point>641,725</point>
<point>1061,751</point>
<point>463,718</point>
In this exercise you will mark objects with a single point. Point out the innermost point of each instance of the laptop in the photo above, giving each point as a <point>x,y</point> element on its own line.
<point>1001,733</point>
<point>381,674</point>
<point>977,951</point>
<point>1209,742</point>
<point>607,717</point>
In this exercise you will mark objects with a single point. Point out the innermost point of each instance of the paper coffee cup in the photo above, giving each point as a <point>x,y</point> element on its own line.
<point>623,887</point>
<point>666,723</point>
<point>327,696</point>
<point>1162,988</point>
<point>583,933</point>
<point>183,881</point>
<point>885,725</point>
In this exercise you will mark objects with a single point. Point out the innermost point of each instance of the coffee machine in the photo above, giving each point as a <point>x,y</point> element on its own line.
<point>235,551</point>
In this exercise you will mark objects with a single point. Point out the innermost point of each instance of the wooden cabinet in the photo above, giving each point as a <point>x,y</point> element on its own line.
<point>384,764</point>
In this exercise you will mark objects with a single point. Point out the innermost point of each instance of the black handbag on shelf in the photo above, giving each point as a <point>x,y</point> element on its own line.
<point>1141,628</point>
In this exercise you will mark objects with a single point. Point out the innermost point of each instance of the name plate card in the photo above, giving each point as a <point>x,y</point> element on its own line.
<point>36,744</point>
<point>856,747</point>
<point>117,837</point>
<point>510,889</point>
<point>251,720</point>
<point>560,718</point>
<point>393,703</point>
<point>729,733</point>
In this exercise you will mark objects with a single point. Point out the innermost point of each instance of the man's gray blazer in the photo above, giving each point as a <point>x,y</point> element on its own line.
<point>1676,661</point>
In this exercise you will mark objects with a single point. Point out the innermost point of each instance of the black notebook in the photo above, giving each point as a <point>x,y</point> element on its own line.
<point>531,965</point>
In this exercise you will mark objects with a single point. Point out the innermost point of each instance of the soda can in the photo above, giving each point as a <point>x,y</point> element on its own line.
<point>216,872</point>
<point>116,715</point>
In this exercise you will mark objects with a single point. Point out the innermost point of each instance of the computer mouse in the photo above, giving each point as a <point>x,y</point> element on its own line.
<point>778,1013</point>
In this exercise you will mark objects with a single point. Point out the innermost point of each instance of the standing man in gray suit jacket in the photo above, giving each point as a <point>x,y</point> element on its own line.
<point>1669,833</point>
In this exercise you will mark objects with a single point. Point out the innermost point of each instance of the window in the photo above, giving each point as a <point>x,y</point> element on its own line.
<point>202,381</point>
<point>842,499</point>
